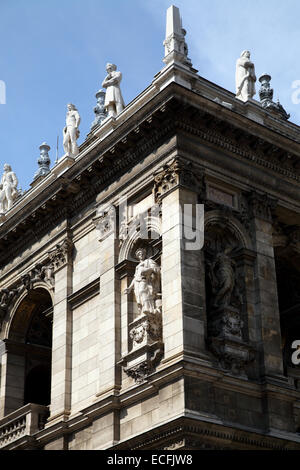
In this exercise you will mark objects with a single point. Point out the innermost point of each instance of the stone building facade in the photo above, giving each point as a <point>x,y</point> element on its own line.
<point>81,366</point>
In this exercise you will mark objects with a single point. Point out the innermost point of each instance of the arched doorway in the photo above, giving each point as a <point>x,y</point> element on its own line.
<point>29,346</point>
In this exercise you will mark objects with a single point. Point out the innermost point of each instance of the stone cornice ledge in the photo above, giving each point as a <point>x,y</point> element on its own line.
<point>113,399</point>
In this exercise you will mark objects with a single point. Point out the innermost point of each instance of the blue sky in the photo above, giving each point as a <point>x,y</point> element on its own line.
<point>55,51</point>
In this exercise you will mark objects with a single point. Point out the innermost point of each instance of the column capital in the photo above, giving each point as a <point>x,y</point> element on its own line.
<point>262,206</point>
<point>105,222</point>
<point>61,255</point>
<point>178,172</point>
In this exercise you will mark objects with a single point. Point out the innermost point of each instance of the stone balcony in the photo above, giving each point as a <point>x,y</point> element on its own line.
<point>18,427</point>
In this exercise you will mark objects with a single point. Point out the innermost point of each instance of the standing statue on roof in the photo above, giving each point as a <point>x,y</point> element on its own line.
<point>8,189</point>
<point>245,77</point>
<point>71,131</point>
<point>114,103</point>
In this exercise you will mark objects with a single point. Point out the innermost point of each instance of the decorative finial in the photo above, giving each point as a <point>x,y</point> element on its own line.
<point>266,98</point>
<point>245,77</point>
<point>114,103</point>
<point>43,161</point>
<point>99,109</point>
<point>176,49</point>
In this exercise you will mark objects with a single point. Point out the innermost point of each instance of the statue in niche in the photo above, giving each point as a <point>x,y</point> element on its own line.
<point>71,131</point>
<point>114,102</point>
<point>245,77</point>
<point>222,277</point>
<point>8,189</point>
<point>146,283</point>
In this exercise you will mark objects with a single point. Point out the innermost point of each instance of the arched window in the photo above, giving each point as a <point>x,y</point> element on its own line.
<point>29,348</point>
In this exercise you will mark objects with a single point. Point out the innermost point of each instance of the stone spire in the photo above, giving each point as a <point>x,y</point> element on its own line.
<point>43,161</point>
<point>266,98</point>
<point>176,49</point>
<point>99,109</point>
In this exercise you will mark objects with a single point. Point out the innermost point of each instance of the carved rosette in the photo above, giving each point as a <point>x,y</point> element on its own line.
<point>61,255</point>
<point>178,172</point>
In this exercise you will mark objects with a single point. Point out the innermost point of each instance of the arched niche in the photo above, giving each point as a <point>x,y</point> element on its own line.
<point>150,229</point>
<point>229,274</point>
<point>27,374</point>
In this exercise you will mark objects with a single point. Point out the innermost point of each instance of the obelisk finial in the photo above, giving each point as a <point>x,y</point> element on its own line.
<point>176,49</point>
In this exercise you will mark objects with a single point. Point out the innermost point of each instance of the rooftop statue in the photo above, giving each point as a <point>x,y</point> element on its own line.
<point>99,109</point>
<point>245,77</point>
<point>71,131</point>
<point>8,189</point>
<point>114,103</point>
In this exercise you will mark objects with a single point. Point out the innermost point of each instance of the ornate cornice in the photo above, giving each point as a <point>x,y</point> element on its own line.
<point>214,137</point>
<point>80,186</point>
<point>198,435</point>
<point>89,186</point>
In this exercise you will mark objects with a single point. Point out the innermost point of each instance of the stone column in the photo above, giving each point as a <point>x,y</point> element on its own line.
<point>182,269</point>
<point>109,303</point>
<point>265,286</point>
<point>60,407</point>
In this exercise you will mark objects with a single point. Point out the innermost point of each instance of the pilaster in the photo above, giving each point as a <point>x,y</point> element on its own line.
<point>265,286</point>
<point>61,258</point>
<point>177,187</point>
<point>109,302</point>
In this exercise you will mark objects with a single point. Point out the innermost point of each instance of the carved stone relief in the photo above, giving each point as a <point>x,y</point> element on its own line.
<point>40,273</point>
<point>145,331</point>
<point>105,222</point>
<point>226,293</point>
<point>262,206</point>
<point>61,254</point>
<point>178,172</point>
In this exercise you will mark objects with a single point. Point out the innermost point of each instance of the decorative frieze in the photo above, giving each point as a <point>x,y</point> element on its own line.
<point>40,273</point>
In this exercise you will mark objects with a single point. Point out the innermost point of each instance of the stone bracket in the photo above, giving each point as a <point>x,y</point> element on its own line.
<point>147,347</point>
